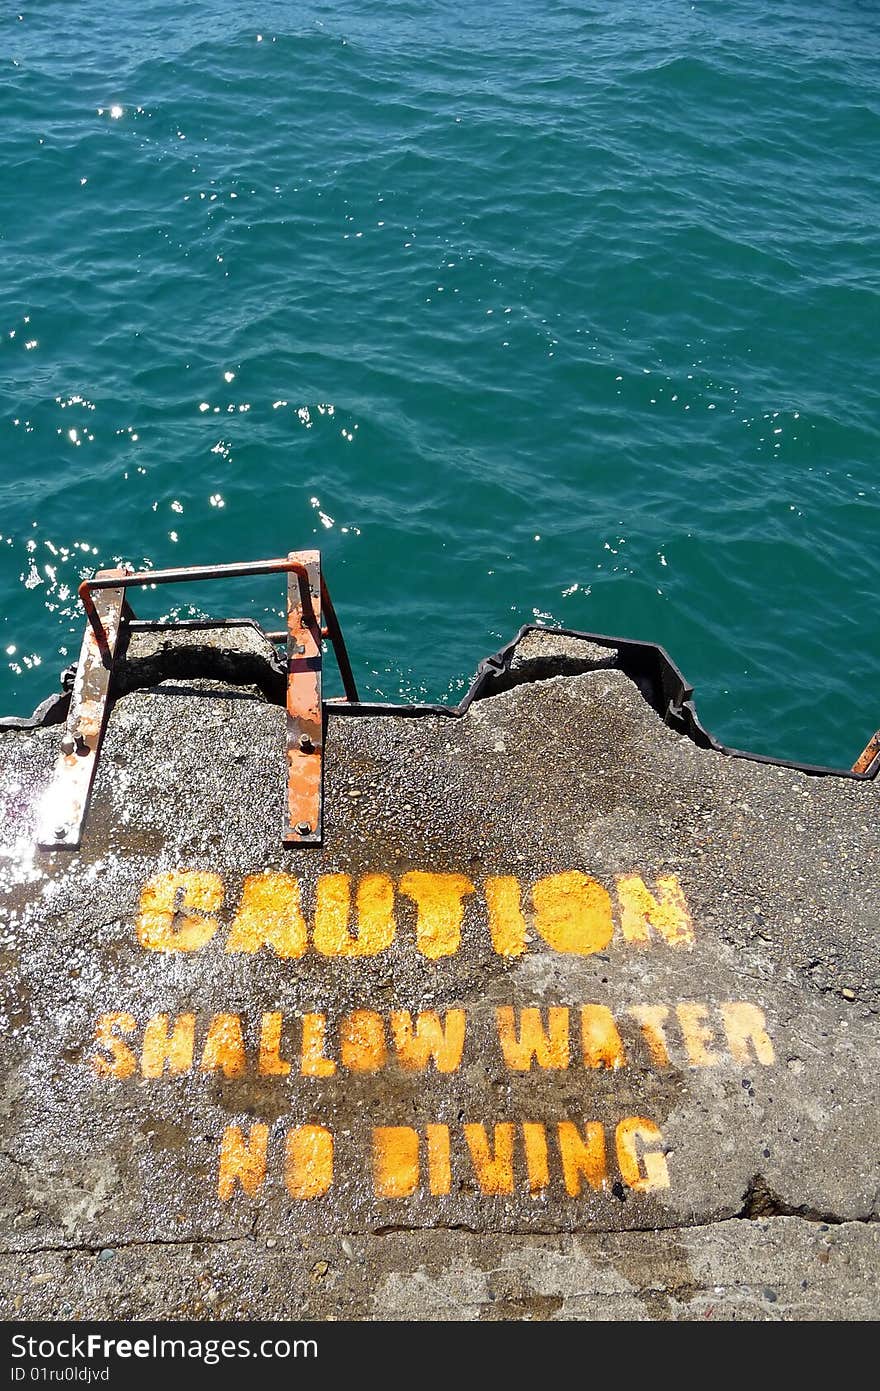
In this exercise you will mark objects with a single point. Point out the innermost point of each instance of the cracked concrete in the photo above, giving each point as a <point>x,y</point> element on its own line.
<point>779,1268</point>
<point>693,1135</point>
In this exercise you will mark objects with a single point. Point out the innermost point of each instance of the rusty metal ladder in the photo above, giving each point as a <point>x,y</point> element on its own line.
<point>65,804</point>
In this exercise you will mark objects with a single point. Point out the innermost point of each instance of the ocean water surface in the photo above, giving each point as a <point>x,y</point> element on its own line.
<point>533,311</point>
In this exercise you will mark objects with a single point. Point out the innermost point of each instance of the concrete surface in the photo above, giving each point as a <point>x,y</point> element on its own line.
<point>717,1160</point>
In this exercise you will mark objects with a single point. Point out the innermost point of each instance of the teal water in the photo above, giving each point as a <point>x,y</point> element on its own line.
<point>556,312</point>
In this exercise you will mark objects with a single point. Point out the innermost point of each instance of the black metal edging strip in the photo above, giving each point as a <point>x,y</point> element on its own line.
<point>669,694</point>
<point>648,664</point>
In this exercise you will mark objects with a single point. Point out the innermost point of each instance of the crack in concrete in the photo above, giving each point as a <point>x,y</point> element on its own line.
<point>760,1201</point>
<point>92,1249</point>
<point>85,1248</point>
<point>802,1214</point>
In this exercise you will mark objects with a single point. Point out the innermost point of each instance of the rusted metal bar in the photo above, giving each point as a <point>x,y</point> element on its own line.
<point>95,623</point>
<point>108,611</point>
<point>65,803</point>
<point>185,574</point>
<point>869,755</point>
<point>334,633</point>
<point>305,720</point>
<point>281,634</point>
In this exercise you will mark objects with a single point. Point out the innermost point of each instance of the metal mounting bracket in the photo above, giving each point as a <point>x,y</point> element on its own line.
<point>869,759</point>
<point>64,807</point>
<point>305,724</point>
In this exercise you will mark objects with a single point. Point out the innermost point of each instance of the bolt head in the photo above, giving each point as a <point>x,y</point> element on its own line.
<point>60,832</point>
<point>304,828</point>
<point>305,743</point>
<point>68,744</point>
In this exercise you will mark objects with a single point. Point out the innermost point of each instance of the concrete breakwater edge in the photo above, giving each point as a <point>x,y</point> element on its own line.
<point>568,1017</point>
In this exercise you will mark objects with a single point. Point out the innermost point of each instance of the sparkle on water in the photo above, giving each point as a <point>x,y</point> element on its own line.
<point>566,314</point>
